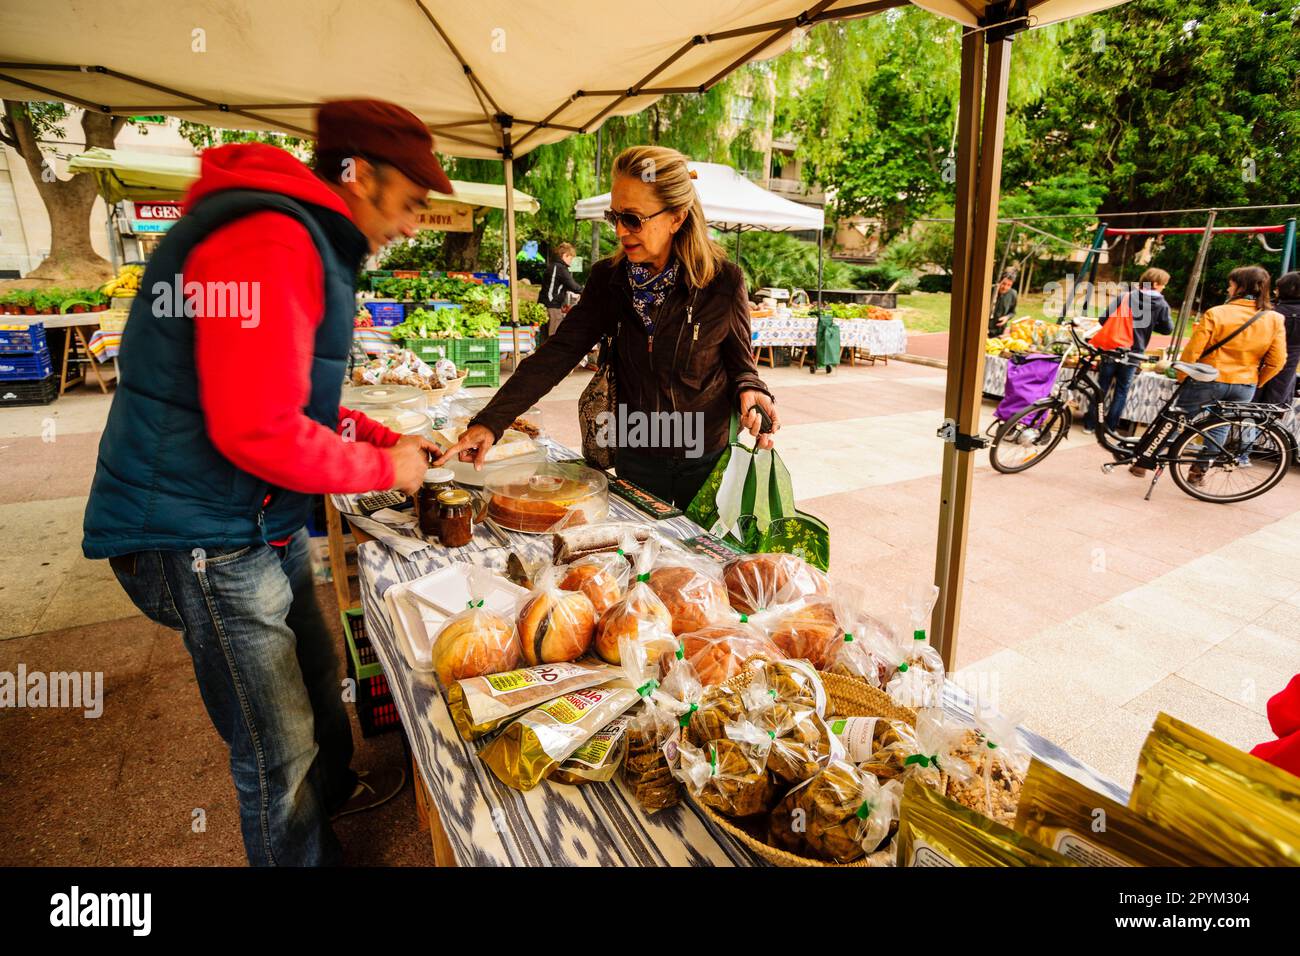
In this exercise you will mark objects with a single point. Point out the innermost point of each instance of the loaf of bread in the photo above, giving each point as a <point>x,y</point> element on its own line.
<point>475,643</point>
<point>556,626</point>
<point>694,599</point>
<point>759,581</point>
<point>809,632</point>
<point>601,577</point>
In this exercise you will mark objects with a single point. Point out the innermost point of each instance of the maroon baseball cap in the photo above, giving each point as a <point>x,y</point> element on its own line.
<point>383,131</point>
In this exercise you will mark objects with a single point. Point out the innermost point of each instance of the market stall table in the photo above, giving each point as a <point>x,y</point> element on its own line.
<point>475,819</point>
<point>878,338</point>
<point>79,334</point>
<point>1146,396</point>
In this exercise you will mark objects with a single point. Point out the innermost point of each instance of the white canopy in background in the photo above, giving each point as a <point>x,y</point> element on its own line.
<point>135,174</point>
<point>730,202</point>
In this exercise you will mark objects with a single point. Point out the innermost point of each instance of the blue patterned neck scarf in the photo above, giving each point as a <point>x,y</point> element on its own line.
<point>649,289</point>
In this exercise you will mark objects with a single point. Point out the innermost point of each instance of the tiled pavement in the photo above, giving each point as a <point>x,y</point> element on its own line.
<point>1087,609</point>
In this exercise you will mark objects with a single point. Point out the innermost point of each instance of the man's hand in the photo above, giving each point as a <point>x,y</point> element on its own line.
<point>409,465</point>
<point>473,446</point>
<point>749,417</point>
<point>429,449</point>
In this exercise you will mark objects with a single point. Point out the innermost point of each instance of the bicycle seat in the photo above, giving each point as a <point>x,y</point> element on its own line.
<point>1197,371</point>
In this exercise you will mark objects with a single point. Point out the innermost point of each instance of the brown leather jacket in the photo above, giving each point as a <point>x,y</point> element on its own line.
<point>701,358</point>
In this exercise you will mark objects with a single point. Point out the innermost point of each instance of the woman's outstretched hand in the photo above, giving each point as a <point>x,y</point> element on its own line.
<point>473,446</point>
<point>750,419</point>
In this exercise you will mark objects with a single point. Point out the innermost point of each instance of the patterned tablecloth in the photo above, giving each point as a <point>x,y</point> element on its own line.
<point>104,345</point>
<point>1146,396</point>
<point>594,825</point>
<point>877,336</point>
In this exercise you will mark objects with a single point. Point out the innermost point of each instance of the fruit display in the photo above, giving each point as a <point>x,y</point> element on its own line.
<point>126,283</point>
<point>1029,335</point>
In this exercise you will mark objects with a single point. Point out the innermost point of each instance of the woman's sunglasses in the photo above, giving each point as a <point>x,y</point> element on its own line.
<point>630,220</point>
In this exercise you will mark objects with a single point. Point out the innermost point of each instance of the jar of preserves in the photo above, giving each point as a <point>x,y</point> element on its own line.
<point>436,481</point>
<point>455,518</point>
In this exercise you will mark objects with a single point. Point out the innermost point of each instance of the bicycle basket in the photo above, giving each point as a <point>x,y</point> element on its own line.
<point>1030,376</point>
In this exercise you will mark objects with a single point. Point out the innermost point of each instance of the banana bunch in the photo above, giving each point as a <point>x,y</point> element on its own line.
<point>125,283</point>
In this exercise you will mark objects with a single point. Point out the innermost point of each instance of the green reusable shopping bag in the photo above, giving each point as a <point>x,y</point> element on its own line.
<point>748,500</point>
<point>828,341</point>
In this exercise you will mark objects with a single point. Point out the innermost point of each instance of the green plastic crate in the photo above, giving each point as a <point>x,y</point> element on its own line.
<point>430,350</point>
<point>482,373</point>
<point>464,351</point>
<point>365,663</point>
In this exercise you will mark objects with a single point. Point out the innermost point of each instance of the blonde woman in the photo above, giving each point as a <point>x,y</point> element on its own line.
<point>679,315</point>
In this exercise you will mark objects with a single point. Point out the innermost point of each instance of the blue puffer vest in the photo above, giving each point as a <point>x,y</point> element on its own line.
<point>160,483</point>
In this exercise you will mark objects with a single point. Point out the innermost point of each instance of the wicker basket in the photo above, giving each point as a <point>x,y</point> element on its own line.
<point>846,697</point>
<point>438,394</point>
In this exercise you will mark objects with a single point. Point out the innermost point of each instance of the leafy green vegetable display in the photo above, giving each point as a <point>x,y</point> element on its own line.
<point>447,324</point>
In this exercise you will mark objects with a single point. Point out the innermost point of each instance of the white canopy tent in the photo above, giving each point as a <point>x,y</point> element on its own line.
<point>731,202</point>
<point>135,174</point>
<point>499,77</point>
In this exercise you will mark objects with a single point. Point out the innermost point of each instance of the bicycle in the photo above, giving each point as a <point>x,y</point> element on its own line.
<point>1225,453</point>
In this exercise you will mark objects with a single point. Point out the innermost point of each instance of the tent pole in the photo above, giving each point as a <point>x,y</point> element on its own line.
<point>114,240</point>
<point>595,223</point>
<point>1185,310</point>
<point>508,159</point>
<point>979,172</point>
<point>737,253</point>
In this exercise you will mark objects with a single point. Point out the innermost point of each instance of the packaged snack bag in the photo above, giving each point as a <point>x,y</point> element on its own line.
<point>599,758</point>
<point>479,705</point>
<point>840,814</point>
<point>729,774</point>
<point>998,761</point>
<point>654,736</point>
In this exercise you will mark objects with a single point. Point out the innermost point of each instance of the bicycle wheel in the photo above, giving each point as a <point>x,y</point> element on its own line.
<point>1224,461</point>
<point>1027,438</point>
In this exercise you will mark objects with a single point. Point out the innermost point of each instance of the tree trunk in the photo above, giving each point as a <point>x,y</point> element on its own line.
<point>72,259</point>
<point>460,249</point>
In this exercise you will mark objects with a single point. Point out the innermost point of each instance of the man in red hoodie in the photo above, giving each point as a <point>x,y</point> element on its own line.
<point>227,421</point>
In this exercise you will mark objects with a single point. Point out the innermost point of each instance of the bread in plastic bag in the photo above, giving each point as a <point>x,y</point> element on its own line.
<point>718,652</point>
<point>691,589</point>
<point>555,625</point>
<point>864,649</point>
<point>756,582</point>
<point>603,577</point>
<point>802,743</point>
<point>477,640</point>
<point>640,605</point>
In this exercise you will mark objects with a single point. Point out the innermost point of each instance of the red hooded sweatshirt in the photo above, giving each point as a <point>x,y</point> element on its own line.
<point>1284,716</point>
<point>254,377</point>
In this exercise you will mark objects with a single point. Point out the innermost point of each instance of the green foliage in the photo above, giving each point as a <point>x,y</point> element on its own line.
<point>533,313</point>
<point>423,251</point>
<point>202,136</point>
<point>779,259</point>
<point>1170,104</point>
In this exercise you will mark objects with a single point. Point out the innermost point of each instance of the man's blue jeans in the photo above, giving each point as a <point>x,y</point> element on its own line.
<point>268,673</point>
<point>1122,376</point>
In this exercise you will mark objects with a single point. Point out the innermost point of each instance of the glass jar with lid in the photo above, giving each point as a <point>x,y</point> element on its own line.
<point>436,481</point>
<point>455,518</point>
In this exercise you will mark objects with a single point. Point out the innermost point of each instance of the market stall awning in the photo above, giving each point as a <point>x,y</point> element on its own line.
<point>137,175</point>
<point>730,202</point>
<point>551,69</point>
